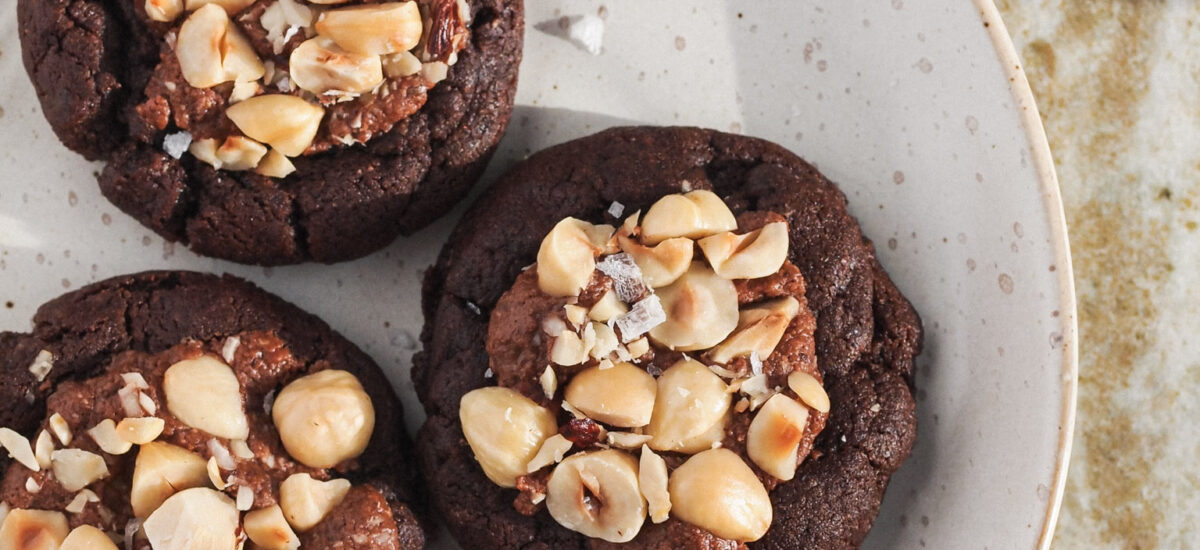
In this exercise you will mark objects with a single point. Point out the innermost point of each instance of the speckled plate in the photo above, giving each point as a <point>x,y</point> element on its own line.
<point>918,109</point>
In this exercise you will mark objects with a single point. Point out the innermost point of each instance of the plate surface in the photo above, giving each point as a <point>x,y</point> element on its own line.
<point>919,111</point>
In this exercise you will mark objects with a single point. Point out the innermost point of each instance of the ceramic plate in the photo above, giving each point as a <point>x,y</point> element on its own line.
<point>919,110</point>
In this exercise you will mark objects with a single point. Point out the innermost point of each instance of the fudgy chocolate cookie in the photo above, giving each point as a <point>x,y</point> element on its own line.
<point>278,131</point>
<point>511,317</point>
<point>169,407</point>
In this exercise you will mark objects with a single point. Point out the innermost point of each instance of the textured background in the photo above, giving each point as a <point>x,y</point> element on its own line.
<point>1116,83</point>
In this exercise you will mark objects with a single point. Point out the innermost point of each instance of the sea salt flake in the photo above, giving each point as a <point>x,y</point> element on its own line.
<point>616,209</point>
<point>41,365</point>
<point>588,33</point>
<point>756,364</point>
<point>176,144</point>
<point>644,316</point>
<point>626,276</point>
<point>488,373</point>
<point>474,308</point>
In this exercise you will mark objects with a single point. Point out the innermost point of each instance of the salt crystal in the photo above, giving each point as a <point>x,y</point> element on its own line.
<point>875,408</point>
<point>616,209</point>
<point>626,276</point>
<point>176,144</point>
<point>488,373</point>
<point>756,364</point>
<point>645,315</point>
<point>41,365</point>
<point>588,32</point>
<point>474,308</point>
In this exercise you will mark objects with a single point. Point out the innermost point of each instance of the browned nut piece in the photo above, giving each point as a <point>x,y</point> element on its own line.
<point>505,431</point>
<point>622,395</point>
<point>810,390</point>
<point>652,478</point>
<point>231,7</point>
<point>319,65</point>
<point>569,349</point>
<point>605,341</point>
<point>33,530</point>
<point>758,253</point>
<point>552,452</point>
<point>701,308</point>
<point>306,501</point>
<point>240,153</point>
<point>163,11</point>
<point>86,537</point>
<point>759,330</point>
<point>689,410</point>
<point>162,469</point>
<point>324,418</point>
<point>194,519</point>
<point>275,165</point>
<point>268,529</point>
<point>607,307</point>
<point>567,256</point>
<point>105,435</point>
<point>773,441</point>
<point>597,494</point>
<point>373,29</point>
<point>76,469</point>
<point>212,50</point>
<point>286,123</point>
<point>716,491</point>
<point>660,264</point>
<point>18,447</point>
<point>204,394</point>
<point>140,431</point>
<point>693,215</point>
<point>400,65</point>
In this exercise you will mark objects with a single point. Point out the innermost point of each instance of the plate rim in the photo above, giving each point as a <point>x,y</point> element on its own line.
<point>1043,162</point>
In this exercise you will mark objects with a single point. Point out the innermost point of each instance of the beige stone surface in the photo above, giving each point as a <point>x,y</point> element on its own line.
<point>1117,84</point>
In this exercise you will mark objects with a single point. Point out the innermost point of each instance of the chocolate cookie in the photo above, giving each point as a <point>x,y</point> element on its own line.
<point>850,336</point>
<point>232,401</point>
<point>278,131</point>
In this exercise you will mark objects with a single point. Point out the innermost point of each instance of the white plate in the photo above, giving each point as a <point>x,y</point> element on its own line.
<point>918,109</point>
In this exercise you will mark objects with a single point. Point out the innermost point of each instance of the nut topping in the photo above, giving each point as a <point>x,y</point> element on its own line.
<point>693,215</point>
<point>810,390</point>
<point>232,7</point>
<point>773,441</point>
<point>287,123</point>
<point>324,418</point>
<point>622,395</point>
<point>18,448</point>
<point>163,11</point>
<point>76,469</point>
<point>689,410</point>
<point>759,330</point>
<point>607,307</point>
<point>240,153</point>
<point>569,349</point>
<point>552,452</point>
<point>652,478</point>
<point>140,431</point>
<point>319,65</point>
<point>306,501</point>
<point>194,519</point>
<point>505,430</point>
<point>716,491</point>
<point>660,264</point>
<point>400,65</point>
<point>275,165</point>
<point>162,469</point>
<point>268,529</point>
<point>212,50</point>
<point>373,29</point>
<point>701,308</point>
<point>86,537</point>
<point>33,530</point>
<point>204,394</point>
<point>105,435</point>
<point>758,253</point>
<point>597,494</point>
<point>567,256</point>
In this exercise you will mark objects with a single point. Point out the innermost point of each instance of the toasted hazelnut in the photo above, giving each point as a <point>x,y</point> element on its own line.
<point>621,396</point>
<point>660,264</point>
<point>204,394</point>
<point>607,307</point>
<point>435,71</point>
<point>205,150</point>
<point>212,50</point>
<point>243,90</point>
<point>569,349</point>
<point>43,448</point>
<point>306,501</point>
<point>86,537</point>
<point>373,29</point>
<point>18,447</point>
<point>505,431</point>
<point>194,519</point>
<point>60,428</point>
<point>105,435</point>
<point>774,437</point>
<point>324,418</point>
<point>286,123</point>
<point>758,253</point>
<point>238,58</point>
<point>693,215</point>
<point>549,382</point>
<point>76,469</point>
<point>759,329</point>
<point>231,7</point>
<point>716,491</point>
<point>268,529</point>
<point>140,431</point>
<point>567,256</point>
<point>275,165</point>
<point>639,347</point>
<point>597,494</point>
<point>319,65</point>
<point>810,391</point>
<point>576,315</point>
<point>33,530</point>
<point>626,440</point>
<point>552,452</point>
<point>652,478</point>
<point>162,469</point>
<point>163,11</point>
<point>701,308</point>
<point>401,64</point>
<point>691,404</point>
<point>605,343</point>
<point>240,153</point>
